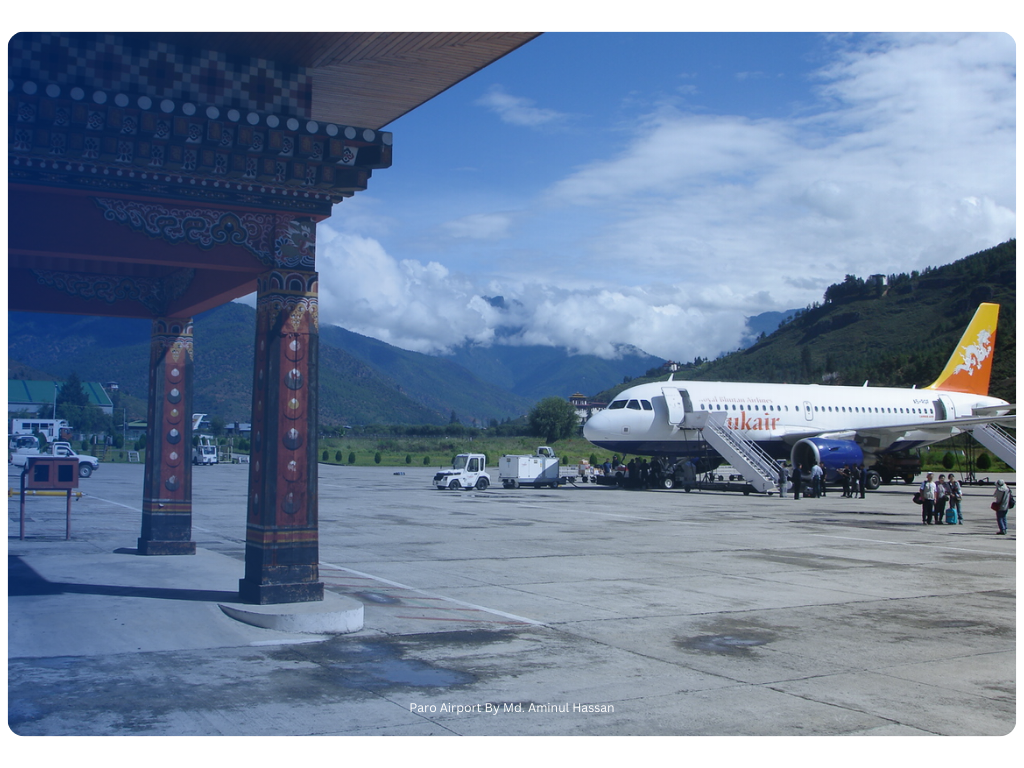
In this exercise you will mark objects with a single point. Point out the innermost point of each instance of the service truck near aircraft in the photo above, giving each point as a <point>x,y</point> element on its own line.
<point>469,470</point>
<point>537,470</point>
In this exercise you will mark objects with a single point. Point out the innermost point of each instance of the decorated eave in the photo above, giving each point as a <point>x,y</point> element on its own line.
<point>71,137</point>
<point>159,175</point>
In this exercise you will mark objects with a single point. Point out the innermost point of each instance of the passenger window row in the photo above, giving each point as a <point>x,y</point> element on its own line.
<point>822,409</point>
<point>645,405</point>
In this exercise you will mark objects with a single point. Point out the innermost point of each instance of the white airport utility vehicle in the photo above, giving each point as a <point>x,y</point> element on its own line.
<point>205,452</point>
<point>468,471</point>
<point>537,470</point>
<point>86,464</point>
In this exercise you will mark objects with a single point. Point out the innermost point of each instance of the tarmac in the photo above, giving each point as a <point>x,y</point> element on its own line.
<point>578,611</point>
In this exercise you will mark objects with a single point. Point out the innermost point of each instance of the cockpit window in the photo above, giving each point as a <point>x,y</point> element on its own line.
<point>617,405</point>
<point>634,404</point>
<point>647,405</point>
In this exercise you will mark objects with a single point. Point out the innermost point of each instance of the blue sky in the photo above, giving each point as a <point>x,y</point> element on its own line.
<point>655,189</point>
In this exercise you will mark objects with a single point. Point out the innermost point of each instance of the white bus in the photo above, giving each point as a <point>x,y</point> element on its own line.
<point>51,429</point>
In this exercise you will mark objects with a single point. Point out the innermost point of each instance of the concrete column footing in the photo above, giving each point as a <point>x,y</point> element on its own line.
<point>333,615</point>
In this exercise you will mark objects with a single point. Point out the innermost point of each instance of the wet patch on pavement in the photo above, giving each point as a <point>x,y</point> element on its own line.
<point>728,638</point>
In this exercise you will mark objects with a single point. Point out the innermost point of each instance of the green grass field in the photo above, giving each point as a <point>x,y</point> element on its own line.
<point>438,452</point>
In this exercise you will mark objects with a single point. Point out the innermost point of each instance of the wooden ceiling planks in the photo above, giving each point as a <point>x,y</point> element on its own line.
<point>402,69</point>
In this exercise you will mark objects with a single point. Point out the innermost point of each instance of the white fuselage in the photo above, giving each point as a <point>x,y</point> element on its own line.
<point>643,420</point>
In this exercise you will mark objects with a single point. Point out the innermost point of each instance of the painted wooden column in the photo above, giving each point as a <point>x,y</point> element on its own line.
<point>281,544</point>
<point>167,492</point>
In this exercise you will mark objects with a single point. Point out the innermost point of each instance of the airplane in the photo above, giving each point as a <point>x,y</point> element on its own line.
<point>809,423</point>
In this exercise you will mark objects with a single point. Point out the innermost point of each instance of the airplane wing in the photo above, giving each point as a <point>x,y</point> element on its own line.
<point>891,433</point>
<point>935,428</point>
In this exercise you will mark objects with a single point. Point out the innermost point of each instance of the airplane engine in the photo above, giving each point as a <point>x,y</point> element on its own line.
<point>835,453</point>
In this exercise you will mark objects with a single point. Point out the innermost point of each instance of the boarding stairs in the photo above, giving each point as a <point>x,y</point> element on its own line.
<point>758,468</point>
<point>999,441</point>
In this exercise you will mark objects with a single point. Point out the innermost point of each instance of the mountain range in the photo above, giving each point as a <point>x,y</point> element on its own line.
<point>362,380</point>
<point>893,330</point>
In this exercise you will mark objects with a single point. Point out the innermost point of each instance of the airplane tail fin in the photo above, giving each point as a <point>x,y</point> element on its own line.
<point>970,367</point>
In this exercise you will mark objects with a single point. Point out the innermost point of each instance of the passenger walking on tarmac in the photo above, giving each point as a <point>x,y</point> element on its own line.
<point>632,474</point>
<point>927,490</point>
<point>956,498</point>
<point>797,476</point>
<point>854,481</point>
<point>844,475</point>
<point>821,478</point>
<point>941,497</point>
<point>1003,501</point>
<point>863,480</point>
<point>645,474</point>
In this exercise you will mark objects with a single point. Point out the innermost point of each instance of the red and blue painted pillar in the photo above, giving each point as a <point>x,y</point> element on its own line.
<point>281,541</point>
<point>167,492</point>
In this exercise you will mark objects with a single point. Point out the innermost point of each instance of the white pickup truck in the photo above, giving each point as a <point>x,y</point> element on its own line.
<point>86,464</point>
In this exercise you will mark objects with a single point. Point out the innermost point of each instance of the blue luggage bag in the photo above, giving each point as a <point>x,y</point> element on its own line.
<point>951,516</point>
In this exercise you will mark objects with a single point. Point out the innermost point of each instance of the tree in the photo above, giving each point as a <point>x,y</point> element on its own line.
<point>553,419</point>
<point>73,405</point>
<point>72,392</point>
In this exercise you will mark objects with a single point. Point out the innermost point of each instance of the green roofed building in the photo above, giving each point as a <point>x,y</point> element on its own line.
<point>31,396</point>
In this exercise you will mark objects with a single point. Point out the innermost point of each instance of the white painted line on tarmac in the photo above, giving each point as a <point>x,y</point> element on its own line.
<point>115,503</point>
<point>136,509</point>
<point>912,544</point>
<point>493,611</point>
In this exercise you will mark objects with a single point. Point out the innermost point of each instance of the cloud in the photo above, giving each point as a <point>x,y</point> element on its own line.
<point>426,308</point>
<point>480,226</point>
<point>907,162</point>
<point>517,110</point>
<point>416,306</point>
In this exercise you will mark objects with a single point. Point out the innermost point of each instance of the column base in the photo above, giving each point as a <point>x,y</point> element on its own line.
<point>148,547</point>
<point>272,594</point>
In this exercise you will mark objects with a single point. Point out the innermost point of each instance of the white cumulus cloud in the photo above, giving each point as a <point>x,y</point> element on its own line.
<point>517,110</point>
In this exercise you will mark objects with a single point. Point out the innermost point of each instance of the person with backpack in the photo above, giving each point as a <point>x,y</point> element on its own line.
<point>956,497</point>
<point>1004,501</point>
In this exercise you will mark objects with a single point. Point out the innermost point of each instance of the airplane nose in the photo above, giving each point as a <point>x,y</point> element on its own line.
<point>596,426</point>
